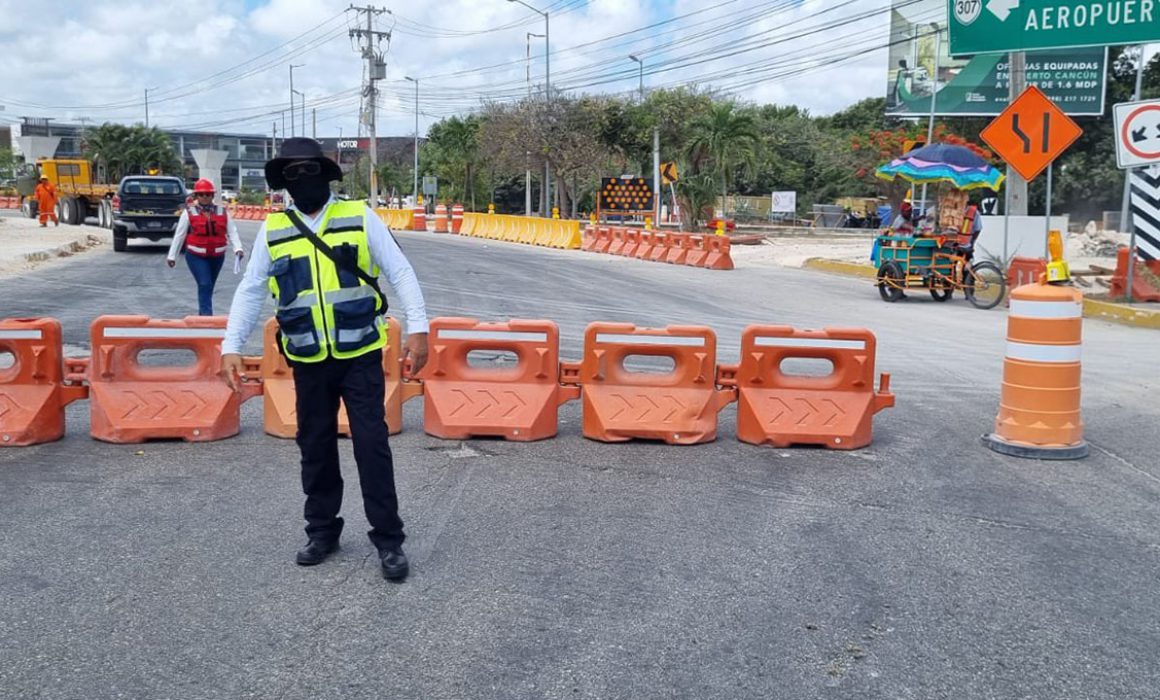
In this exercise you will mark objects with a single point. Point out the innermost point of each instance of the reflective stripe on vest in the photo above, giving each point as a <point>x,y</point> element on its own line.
<point>207,232</point>
<point>322,309</point>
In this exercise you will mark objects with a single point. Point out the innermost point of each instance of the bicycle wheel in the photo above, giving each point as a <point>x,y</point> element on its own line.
<point>941,289</point>
<point>891,281</point>
<point>985,285</point>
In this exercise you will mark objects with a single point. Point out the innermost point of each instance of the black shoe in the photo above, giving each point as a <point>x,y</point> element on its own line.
<point>315,552</point>
<point>395,567</point>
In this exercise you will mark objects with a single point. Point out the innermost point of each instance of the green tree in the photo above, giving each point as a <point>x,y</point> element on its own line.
<point>451,153</point>
<point>722,140</point>
<point>121,150</point>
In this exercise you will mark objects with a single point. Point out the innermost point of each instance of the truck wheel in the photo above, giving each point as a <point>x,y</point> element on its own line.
<point>30,207</point>
<point>103,211</point>
<point>120,240</point>
<point>80,211</point>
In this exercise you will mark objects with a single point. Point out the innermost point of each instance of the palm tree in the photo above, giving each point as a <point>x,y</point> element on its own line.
<point>723,139</point>
<point>128,150</point>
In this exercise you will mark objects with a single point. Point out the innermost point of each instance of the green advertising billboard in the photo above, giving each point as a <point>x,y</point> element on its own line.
<point>979,86</point>
<point>992,26</point>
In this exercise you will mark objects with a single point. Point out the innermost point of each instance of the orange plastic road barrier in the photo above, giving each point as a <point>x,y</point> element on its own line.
<point>1142,287</point>
<point>9,202</point>
<point>679,407</point>
<point>648,239</point>
<point>133,402</point>
<point>631,242</point>
<point>35,388</point>
<point>698,250</point>
<point>619,240</point>
<point>662,244</point>
<point>780,409</point>
<point>1023,271</point>
<point>456,218</point>
<point>589,241</point>
<point>440,218</point>
<point>719,255</point>
<point>1039,412</point>
<point>517,403</point>
<point>280,415</point>
<point>419,218</point>
<point>679,246</point>
<point>603,240</point>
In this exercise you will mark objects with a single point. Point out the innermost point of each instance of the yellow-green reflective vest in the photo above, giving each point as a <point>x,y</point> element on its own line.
<point>323,310</point>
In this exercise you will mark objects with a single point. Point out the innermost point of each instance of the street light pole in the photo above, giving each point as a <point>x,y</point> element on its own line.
<point>641,63</point>
<point>527,153</point>
<point>547,98</point>
<point>415,185</point>
<point>293,132</point>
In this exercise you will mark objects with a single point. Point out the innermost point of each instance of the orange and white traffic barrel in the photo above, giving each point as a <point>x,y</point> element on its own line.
<point>456,218</point>
<point>419,218</point>
<point>440,218</point>
<point>1039,412</point>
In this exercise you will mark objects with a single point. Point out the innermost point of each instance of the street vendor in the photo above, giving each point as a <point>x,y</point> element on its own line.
<point>903,223</point>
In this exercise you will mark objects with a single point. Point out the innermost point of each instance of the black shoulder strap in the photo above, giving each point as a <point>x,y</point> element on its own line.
<point>345,263</point>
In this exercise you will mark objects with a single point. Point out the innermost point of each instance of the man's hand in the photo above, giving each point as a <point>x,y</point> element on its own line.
<point>415,350</point>
<point>232,369</point>
<point>171,263</point>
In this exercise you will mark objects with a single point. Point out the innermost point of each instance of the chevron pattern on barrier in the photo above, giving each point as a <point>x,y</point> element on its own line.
<point>132,403</point>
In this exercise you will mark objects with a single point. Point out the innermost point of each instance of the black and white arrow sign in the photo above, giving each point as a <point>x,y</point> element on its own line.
<point>1137,133</point>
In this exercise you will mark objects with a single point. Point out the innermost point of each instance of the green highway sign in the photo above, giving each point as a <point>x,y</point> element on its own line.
<point>998,26</point>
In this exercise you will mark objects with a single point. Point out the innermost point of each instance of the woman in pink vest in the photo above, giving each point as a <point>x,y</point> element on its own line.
<point>206,232</point>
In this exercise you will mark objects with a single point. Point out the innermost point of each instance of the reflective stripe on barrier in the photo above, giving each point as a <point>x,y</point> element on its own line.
<point>779,409</point>
<point>132,402</point>
<point>35,389</point>
<point>679,407</point>
<point>516,403</point>
<point>280,414</point>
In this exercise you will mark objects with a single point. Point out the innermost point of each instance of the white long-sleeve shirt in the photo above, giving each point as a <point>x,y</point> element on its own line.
<point>182,231</point>
<point>384,251</point>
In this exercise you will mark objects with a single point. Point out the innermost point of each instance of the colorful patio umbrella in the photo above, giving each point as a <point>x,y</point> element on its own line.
<point>940,162</point>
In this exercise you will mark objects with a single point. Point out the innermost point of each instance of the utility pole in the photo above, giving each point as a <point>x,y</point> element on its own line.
<point>546,196</point>
<point>369,41</point>
<point>415,171</point>
<point>293,131</point>
<point>314,123</point>
<point>933,97</point>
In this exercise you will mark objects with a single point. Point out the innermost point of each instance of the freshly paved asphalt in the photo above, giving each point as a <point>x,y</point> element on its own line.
<point>921,567</point>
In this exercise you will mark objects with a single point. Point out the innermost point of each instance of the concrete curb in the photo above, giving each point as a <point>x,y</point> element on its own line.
<point>83,242</point>
<point>1092,308</point>
<point>841,268</point>
<point>1122,314</point>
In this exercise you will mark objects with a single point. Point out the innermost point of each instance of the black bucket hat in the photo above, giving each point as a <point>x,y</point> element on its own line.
<point>295,149</point>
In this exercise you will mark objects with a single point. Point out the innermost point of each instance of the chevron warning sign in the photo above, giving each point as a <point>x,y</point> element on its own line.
<point>1146,211</point>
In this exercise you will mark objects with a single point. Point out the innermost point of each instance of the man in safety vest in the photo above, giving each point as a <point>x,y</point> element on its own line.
<point>46,202</point>
<point>321,259</point>
<point>204,230</point>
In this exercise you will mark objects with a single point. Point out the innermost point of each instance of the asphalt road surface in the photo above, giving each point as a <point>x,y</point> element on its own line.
<point>922,567</point>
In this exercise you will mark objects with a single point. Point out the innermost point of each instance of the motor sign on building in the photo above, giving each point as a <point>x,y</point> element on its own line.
<point>995,26</point>
<point>1031,133</point>
<point>1137,133</point>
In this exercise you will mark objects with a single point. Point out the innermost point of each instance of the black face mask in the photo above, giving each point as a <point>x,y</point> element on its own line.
<point>310,192</point>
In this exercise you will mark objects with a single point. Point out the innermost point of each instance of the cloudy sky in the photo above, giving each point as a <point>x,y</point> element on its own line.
<point>222,65</point>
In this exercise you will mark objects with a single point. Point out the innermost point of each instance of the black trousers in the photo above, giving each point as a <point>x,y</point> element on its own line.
<point>360,384</point>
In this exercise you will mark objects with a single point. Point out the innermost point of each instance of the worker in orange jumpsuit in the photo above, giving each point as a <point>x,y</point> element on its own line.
<point>46,201</point>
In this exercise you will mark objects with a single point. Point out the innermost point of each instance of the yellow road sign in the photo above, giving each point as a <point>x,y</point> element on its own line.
<point>669,173</point>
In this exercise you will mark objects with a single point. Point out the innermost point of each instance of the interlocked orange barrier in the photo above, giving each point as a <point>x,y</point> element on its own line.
<point>456,218</point>
<point>35,389</point>
<point>1142,288</point>
<point>631,242</point>
<point>589,240</point>
<point>419,218</point>
<point>719,255</point>
<point>780,409</point>
<point>698,251</point>
<point>517,403</point>
<point>619,240</point>
<point>132,402</point>
<point>9,202</point>
<point>679,406</point>
<point>661,246</point>
<point>648,239</point>
<point>1023,271</point>
<point>1039,412</point>
<point>441,218</point>
<point>679,247</point>
<point>280,415</point>
<point>604,240</point>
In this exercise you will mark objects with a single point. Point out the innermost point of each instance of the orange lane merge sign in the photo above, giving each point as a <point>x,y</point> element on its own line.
<point>1031,133</point>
